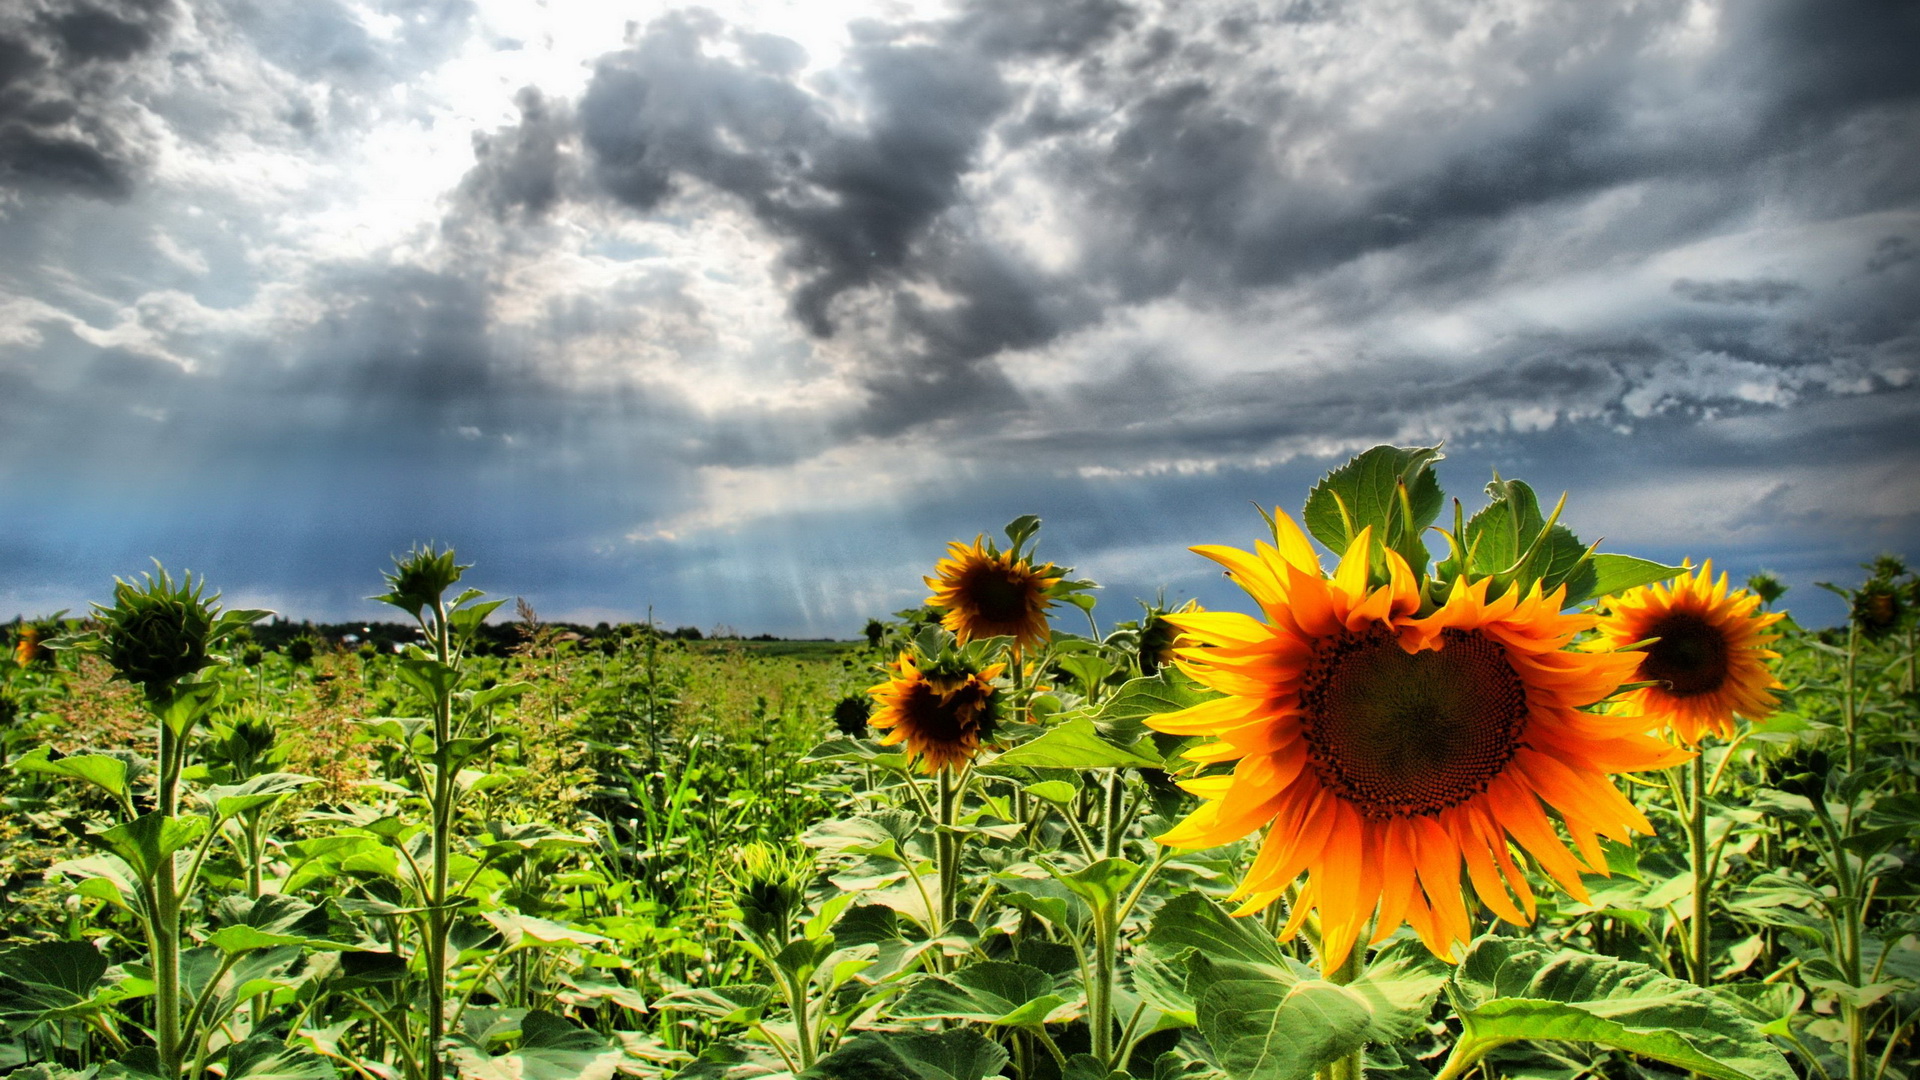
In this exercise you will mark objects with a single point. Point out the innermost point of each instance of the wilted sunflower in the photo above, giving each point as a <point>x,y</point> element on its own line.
<point>1382,751</point>
<point>943,714</point>
<point>987,593</point>
<point>1710,661</point>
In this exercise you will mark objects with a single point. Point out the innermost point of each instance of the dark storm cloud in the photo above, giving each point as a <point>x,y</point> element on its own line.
<point>523,170</point>
<point>1765,292</point>
<point>1196,180</point>
<point>64,126</point>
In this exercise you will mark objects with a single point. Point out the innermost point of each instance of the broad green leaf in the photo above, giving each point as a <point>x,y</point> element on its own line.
<point>47,978</point>
<point>1192,921</point>
<point>104,771</point>
<point>1509,989</point>
<point>143,842</point>
<point>267,1058</point>
<point>1077,744</point>
<point>990,992</point>
<point>740,1003</point>
<point>1103,883</point>
<point>960,1054</point>
<point>1615,574</point>
<point>1088,1067</point>
<point>106,878</point>
<point>1391,489</point>
<point>431,679</point>
<point>1400,984</point>
<point>529,931</point>
<point>1057,792</point>
<point>226,800</point>
<point>550,1048</point>
<point>1509,541</point>
<point>1264,1024</point>
<point>1122,717</point>
<point>861,750</point>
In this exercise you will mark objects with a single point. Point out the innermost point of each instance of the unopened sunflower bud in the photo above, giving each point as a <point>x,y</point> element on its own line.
<point>421,579</point>
<point>158,632</point>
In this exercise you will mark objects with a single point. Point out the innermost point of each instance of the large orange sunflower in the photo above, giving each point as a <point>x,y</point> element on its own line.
<point>942,714</point>
<point>1710,661</point>
<point>1382,751</point>
<point>992,594</point>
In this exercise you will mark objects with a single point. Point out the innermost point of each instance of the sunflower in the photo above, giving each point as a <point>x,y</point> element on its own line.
<point>943,714</point>
<point>987,593</point>
<point>1384,751</point>
<point>29,648</point>
<point>1709,661</point>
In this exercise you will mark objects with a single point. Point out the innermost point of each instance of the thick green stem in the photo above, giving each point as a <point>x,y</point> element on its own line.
<point>1100,994</point>
<point>165,936</point>
<point>439,924</point>
<point>1116,811</point>
<point>1700,960</point>
<point>947,852</point>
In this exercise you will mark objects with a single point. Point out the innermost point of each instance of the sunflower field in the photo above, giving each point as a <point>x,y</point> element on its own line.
<point>1523,809</point>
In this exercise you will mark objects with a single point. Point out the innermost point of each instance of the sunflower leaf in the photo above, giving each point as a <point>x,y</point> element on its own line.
<point>1263,1024</point>
<point>1617,573</point>
<point>1389,488</point>
<point>1077,744</point>
<point>912,1055</point>
<point>1509,989</point>
<point>990,992</point>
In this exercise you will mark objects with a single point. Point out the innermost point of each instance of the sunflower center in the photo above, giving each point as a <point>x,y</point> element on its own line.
<point>999,594</point>
<point>1401,734</point>
<point>1690,657</point>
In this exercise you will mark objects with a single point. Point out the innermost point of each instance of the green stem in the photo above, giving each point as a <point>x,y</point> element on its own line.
<point>1100,994</point>
<point>166,921</point>
<point>439,925</point>
<point>1116,811</point>
<point>1702,871</point>
<point>947,851</point>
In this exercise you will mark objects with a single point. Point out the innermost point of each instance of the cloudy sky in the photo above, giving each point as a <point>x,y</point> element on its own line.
<point>741,311</point>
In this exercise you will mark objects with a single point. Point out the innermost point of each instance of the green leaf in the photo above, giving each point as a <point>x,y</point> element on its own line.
<point>226,800</point>
<point>431,679</point>
<point>1400,984</point>
<point>104,771</point>
<point>1076,744</point>
<point>1390,488</point>
<point>1509,989</point>
<point>143,842</point>
<point>48,979</point>
<point>990,992</point>
<point>551,1048</point>
<point>739,1003</point>
<point>1101,884</point>
<point>1057,792</point>
<point>1509,541</point>
<point>1088,1067</point>
<point>265,1057</point>
<point>961,1054</point>
<point>1615,574</point>
<point>1122,717</point>
<point>1263,1024</point>
<point>1192,921</point>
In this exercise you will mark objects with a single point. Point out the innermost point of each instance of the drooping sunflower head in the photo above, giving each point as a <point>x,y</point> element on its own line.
<point>1710,659</point>
<point>1159,637</point>
<point>1877,608</point>
<point>1384,750</point>
<point>986,592</point>
<point>943,713</point>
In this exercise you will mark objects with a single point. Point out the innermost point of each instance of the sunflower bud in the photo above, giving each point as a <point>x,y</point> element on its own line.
<point>157,632</point>
<point>421,579</point>
<point>770,889</point>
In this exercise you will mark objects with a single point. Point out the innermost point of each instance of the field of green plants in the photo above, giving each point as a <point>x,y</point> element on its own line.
<point>1521,812</point>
